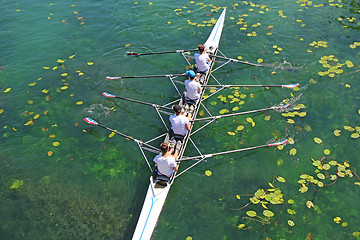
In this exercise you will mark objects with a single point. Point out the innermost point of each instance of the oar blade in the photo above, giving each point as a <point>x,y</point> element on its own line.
<point>112,78</point>
<point>90,121</point>
<point>279,143</point>
<point>294,85</point>
<point>108,94</point>
<point>132,54</point>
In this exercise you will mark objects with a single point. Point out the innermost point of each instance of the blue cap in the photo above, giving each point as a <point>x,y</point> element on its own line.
<point>190,73</point>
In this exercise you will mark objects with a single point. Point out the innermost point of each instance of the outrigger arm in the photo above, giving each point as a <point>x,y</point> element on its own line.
<point>140,143</point>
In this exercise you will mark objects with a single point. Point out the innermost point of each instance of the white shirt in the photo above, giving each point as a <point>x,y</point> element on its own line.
<point>192,88</point>
<point>178,124</point>
<point>165,165</point>
<point>201,62</point>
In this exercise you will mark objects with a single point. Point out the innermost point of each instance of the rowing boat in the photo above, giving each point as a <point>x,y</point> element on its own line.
<point>159,185</point>
<point>157,193</point>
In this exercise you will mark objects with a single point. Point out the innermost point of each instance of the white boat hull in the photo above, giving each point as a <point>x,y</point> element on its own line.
<point>153,204</point>
<point>155,197</point>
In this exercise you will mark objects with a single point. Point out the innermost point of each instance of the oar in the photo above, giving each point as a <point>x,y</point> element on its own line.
<point>148,76</point>
<point>293,85</point>
<point>249,63</point>
<point>240,113</point>
<point>152,53</point>
<point>234,151</point>
<point>135,101</point>
<point>239,61</point>
<point>93,122</point>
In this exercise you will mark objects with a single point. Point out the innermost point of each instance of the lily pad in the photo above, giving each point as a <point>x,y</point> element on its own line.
<point>268,213</point>
<point>291,223</point>
<point>293,151</point>
<point>251,213</point>
<point>280,179</point>
<point>223,111</point>
<point>355,135</point>
<point>310,204</point>
<point>337,220</point>
<point>327,151</point>
<point>240,127</point>
<point>241,226</point>
<point>321,176</point>
<point>337,132</point>
<point>326,166</point>
<point>317,140</point>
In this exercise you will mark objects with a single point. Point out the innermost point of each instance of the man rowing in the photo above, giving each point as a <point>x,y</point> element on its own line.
<point>165,161</point>
<point>180,124</point>
<point>193,88</point>
<point>202,60</point>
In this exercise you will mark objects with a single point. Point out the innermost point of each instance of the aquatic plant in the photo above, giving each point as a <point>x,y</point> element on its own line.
<point>50,209</point>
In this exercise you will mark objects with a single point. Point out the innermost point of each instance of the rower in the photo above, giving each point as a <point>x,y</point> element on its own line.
<point>202,60</point>
<point>193,88</point>
<point>180,124</point>
<point>165,161</point>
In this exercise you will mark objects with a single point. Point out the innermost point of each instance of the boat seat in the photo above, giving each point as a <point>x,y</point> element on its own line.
<point>177,137</point>
<point>190,102</point>
<point>159,177</point>
<point>162,178</point>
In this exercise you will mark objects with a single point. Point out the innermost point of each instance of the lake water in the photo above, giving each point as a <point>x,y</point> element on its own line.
<point>61,178</point>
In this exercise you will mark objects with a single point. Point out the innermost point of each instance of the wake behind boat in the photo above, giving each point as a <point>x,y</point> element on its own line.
<point>160,184</point>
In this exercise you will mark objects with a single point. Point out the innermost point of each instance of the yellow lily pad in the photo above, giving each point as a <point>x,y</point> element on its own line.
<point>291,223</point>
<point>337,132</point>
<point>240,127</point>
<point>55,144</point>
<point>249,119</point>
<point>290,121</point>
<point>268,213</point>
<point>355,135</point>
<point>317,140</point>
<point>293,151</point>
<point>251,213</point>
<point>208,173</point>
<point>280,179</point>
<point>310,204</point>
<point>337,220</point>
<point>222,111</point>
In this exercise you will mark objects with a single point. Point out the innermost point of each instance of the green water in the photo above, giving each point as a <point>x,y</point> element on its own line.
<point>92,186</point>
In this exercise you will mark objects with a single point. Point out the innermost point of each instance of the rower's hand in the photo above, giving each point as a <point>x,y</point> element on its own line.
<point>189,116</point>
